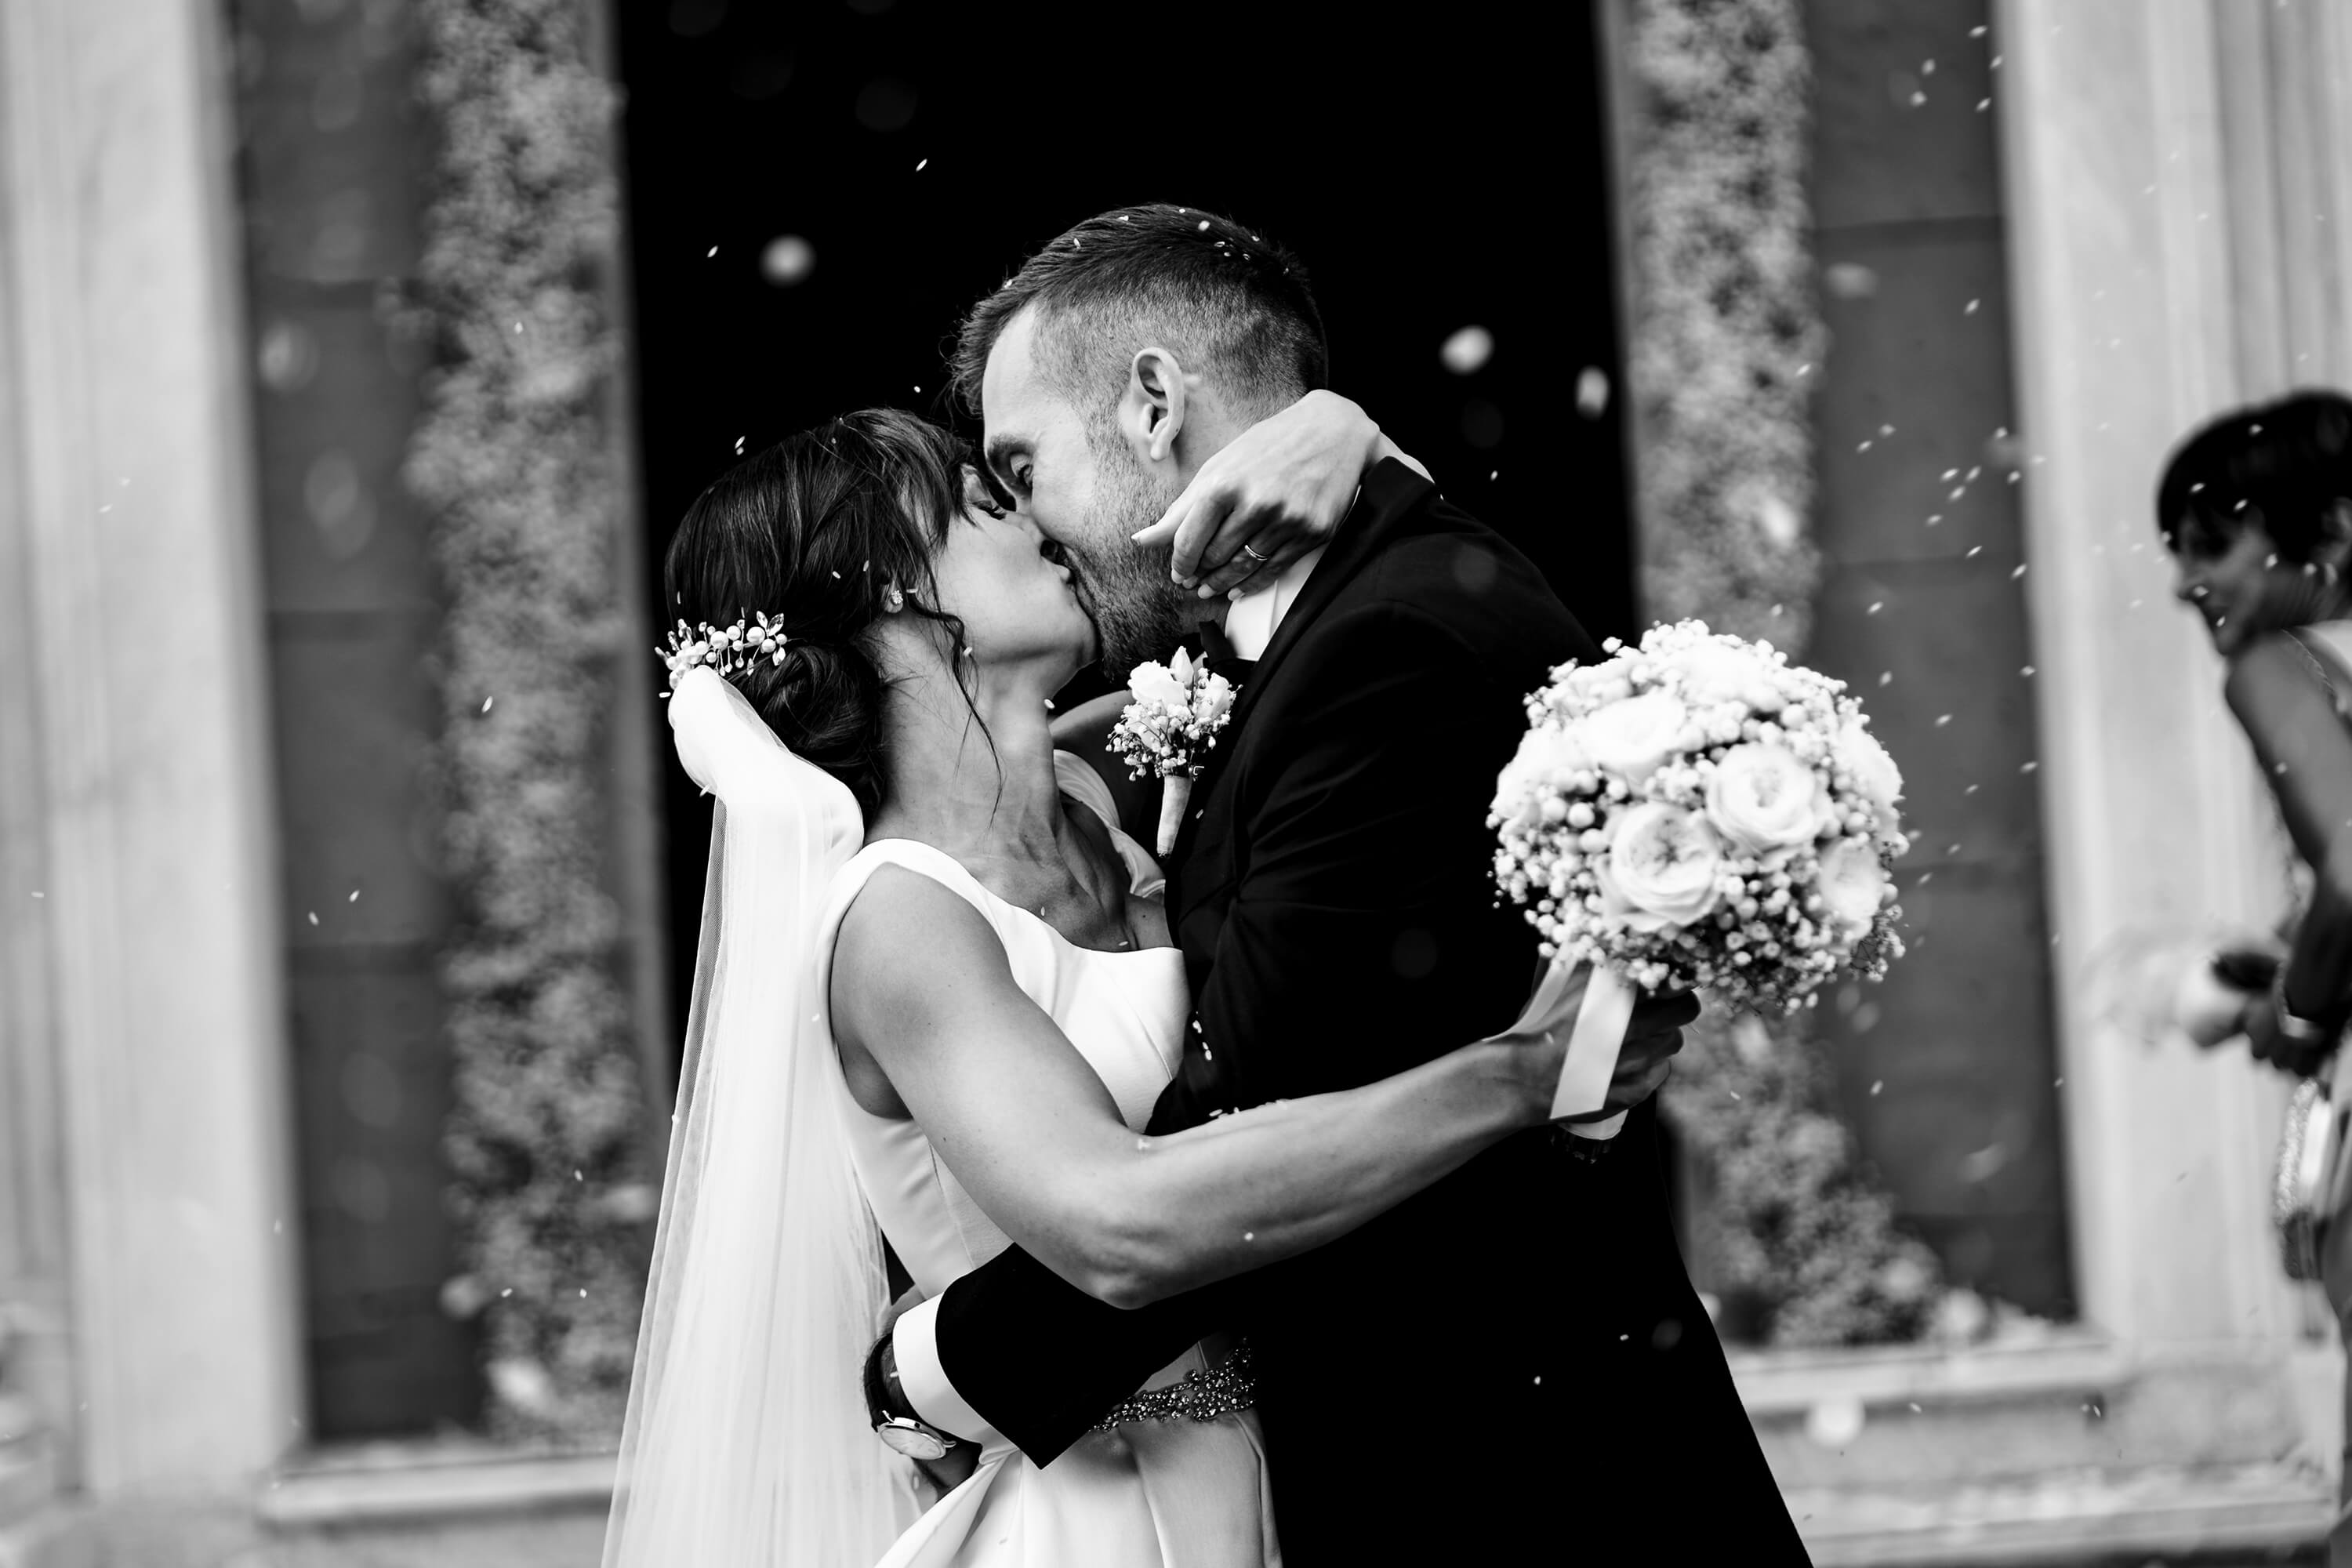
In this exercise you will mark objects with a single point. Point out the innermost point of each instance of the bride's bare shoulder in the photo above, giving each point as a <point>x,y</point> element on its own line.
<point>901,930</point>
<point>912,956</point>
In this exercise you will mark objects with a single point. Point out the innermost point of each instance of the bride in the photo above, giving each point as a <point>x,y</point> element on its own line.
<point>936,997</point>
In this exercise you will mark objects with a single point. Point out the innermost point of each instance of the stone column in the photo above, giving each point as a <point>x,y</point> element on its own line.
<point>136,785</point>
<point>35,1384</point>
<point>2176,185</point>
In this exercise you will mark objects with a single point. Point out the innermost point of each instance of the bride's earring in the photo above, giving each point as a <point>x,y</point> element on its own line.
<point>893,600</point>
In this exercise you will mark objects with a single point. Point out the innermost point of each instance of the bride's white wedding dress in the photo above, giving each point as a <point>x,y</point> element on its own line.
<point>1182,1493</point>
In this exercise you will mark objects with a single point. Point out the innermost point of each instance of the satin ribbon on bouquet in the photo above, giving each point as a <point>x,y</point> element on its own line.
<point>1603,1012</point>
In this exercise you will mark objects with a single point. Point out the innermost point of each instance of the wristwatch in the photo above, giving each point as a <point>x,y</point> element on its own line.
<point>893,1418</point>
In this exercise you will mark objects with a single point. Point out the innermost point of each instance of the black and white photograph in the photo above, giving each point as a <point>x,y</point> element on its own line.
<point>887,783</point>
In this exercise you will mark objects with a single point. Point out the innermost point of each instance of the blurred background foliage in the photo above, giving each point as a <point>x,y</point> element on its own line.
<point>1727,334</point>
<point>517,459</point>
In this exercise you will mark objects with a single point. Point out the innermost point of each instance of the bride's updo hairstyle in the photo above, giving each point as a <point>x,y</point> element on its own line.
<point>815,531</point>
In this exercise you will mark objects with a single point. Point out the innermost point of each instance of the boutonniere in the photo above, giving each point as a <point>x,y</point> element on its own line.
<point>1169,728</point>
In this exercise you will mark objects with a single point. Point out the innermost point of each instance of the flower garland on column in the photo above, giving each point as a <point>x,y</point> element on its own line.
<point>1726,331</point>
<point>1725,334</point>
<point>514,458</point>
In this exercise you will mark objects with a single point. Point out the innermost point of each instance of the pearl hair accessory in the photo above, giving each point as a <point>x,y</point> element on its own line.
<point>728,650</point>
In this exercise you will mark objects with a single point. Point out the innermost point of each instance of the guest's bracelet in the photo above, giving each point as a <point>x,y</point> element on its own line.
<point>2293,1025</point>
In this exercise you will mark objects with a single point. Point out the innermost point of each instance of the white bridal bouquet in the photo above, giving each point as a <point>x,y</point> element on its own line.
<point>1169,728</point>
<point>1697,813</point>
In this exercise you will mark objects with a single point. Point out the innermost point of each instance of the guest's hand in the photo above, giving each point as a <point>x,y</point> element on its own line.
<point>2246,966</point>
<point>2209,999</point>
<point>2269,1043</point>
<point>1273,493</point>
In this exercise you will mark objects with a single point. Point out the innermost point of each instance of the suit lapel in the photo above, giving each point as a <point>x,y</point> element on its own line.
<point>1391,493</point>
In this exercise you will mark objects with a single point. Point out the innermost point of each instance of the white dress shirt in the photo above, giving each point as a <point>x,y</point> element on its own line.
<point>1251,622</point>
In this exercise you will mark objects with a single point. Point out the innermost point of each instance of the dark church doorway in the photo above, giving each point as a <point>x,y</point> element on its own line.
<point>1452,176</point>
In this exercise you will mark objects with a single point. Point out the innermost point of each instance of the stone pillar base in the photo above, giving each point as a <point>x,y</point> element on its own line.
<point>37,1531</point>
<point>53,1538</point>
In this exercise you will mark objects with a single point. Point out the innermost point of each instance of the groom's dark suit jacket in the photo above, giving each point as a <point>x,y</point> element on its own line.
<point>1512,1365</point>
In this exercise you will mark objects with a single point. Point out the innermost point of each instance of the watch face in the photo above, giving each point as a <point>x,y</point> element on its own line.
<point>910,1439</point>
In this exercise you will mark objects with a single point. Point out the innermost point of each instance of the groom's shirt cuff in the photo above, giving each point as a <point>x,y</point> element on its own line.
<point>914,1340</point>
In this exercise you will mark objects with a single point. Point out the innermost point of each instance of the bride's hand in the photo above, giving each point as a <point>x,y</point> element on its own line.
<point>1644,1061</point>
<point>1277,490</point>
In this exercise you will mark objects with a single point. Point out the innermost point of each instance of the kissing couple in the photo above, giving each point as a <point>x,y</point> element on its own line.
<point>1207,1209</point>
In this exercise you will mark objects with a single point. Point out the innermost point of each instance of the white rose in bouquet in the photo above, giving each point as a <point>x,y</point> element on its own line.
<point>1597,684</point>
<point>1716,673</point>
<point>1547,754</point>
<point>1630,737</point>
<point>1868,764</point>
<point>1661,867</point>
<point>1853,882</point>
<point>1761,798</point>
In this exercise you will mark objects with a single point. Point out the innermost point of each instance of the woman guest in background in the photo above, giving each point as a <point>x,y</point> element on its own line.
<point>2256,509</point>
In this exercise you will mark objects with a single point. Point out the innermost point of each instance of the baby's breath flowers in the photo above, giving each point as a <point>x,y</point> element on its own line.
<point>1698,812</point>
<point>1169,728</point>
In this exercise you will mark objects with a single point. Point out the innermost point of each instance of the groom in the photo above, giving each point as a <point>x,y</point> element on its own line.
<point>1512,1365</point>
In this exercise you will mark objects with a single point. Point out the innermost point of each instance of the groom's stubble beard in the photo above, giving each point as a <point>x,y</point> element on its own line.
<point>1140,614</point>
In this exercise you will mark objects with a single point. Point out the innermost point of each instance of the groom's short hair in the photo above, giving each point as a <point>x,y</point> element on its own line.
<point>1207,288</point>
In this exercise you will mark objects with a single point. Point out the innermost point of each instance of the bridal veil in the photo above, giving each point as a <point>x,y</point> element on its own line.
<point>746,1443</point>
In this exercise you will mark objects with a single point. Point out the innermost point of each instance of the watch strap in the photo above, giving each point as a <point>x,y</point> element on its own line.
<point>887,1406</point>
<point>882,1383</point>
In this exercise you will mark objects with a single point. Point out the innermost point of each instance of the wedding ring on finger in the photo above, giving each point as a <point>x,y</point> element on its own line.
<point>1254,555</point>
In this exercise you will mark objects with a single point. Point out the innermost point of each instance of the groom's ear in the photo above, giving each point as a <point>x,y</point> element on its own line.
<point>1151,411</point>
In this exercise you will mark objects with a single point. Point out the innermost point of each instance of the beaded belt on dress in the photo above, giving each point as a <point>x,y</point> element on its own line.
<point>1200,1396</point>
